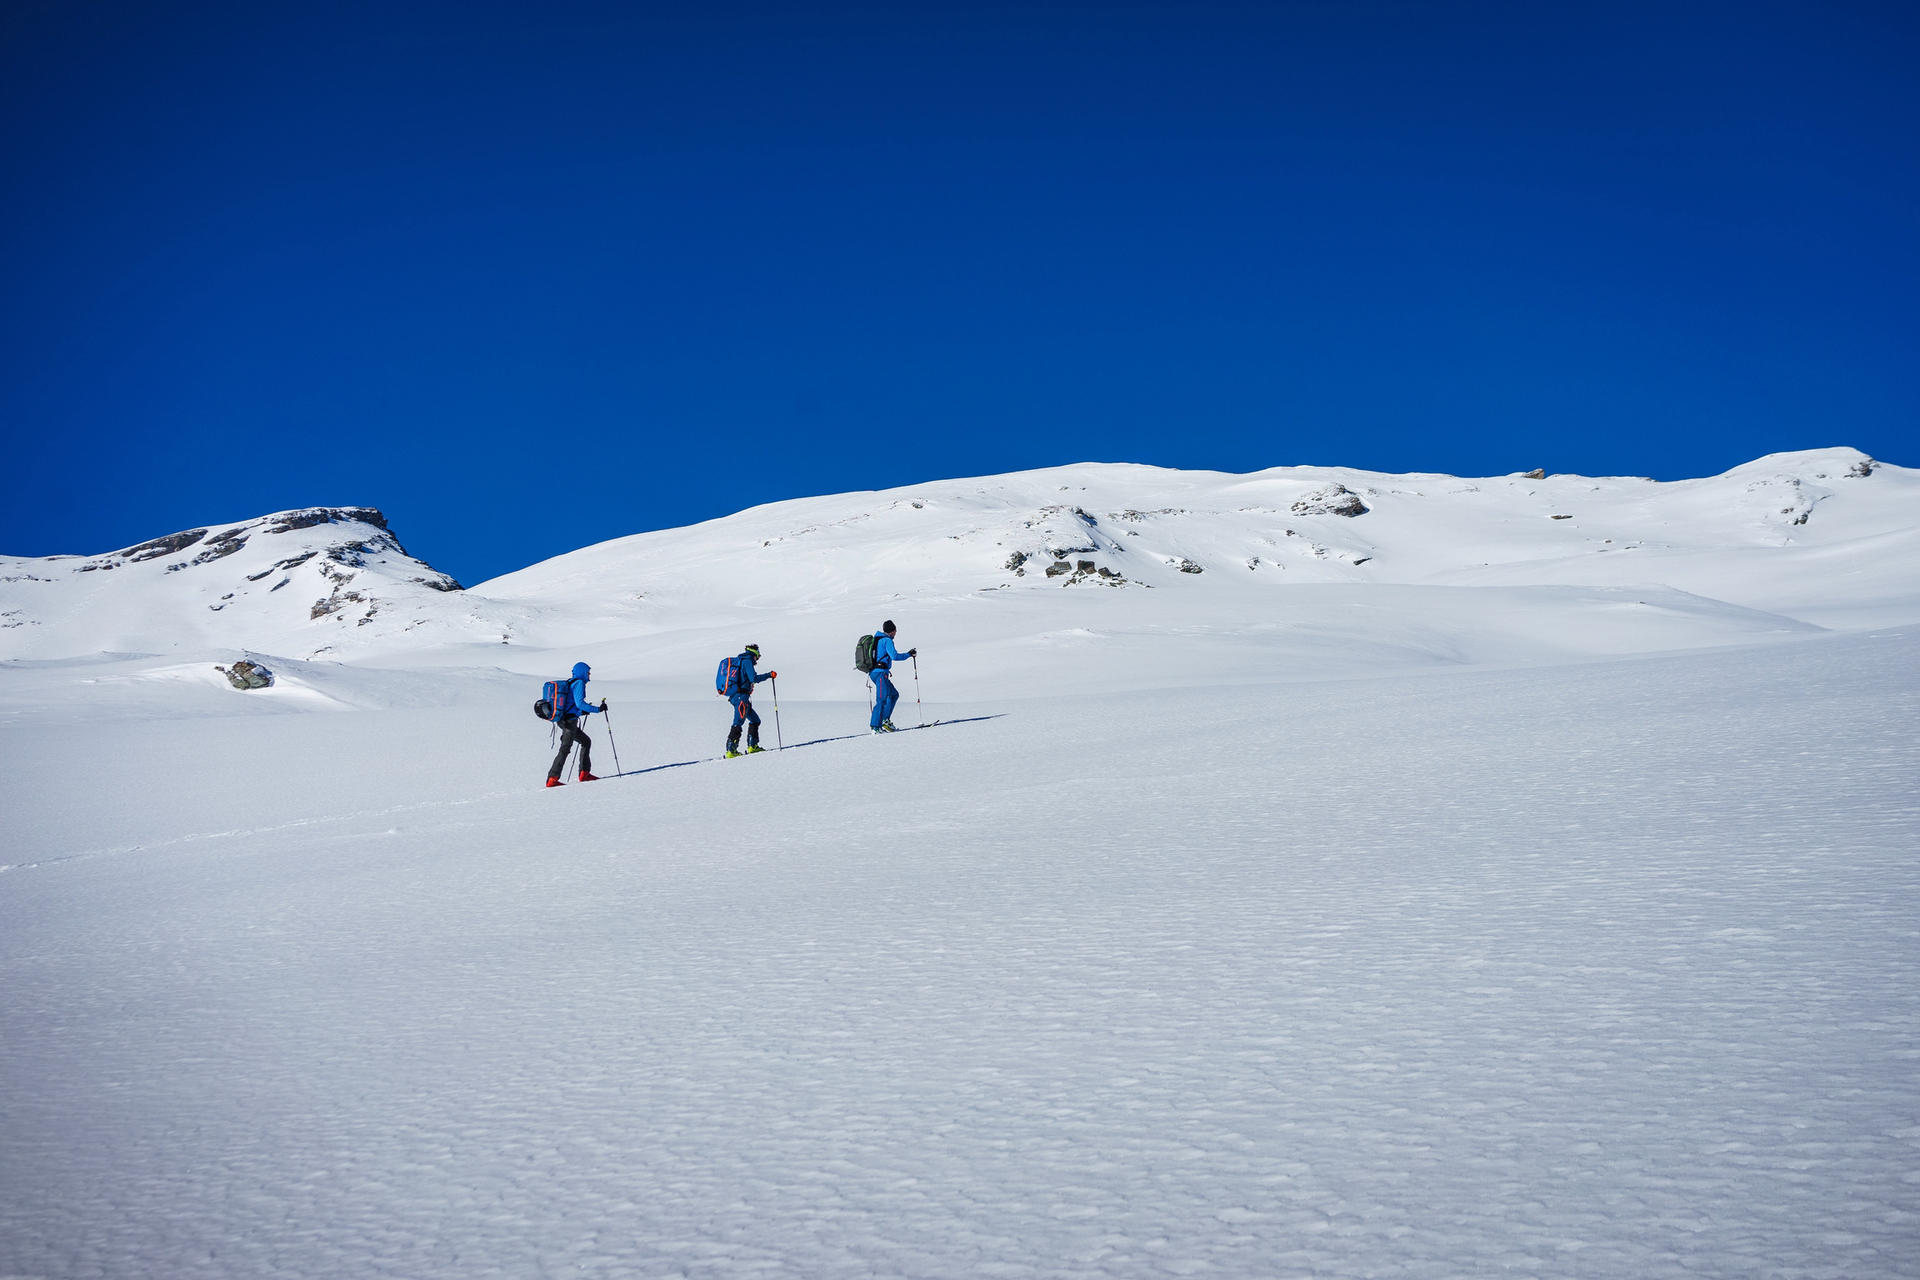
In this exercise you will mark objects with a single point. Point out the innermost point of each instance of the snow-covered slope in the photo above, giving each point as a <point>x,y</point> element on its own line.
<point>1051,579</point>
<point>1598,972</point>
<point>1167,577</point>
<point>1790,533</point>
<point>1456,930</point>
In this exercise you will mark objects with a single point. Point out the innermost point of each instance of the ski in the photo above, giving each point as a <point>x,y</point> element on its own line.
<point>910,728</point>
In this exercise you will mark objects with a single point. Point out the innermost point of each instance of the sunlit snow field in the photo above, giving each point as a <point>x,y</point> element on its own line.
<point>1538,961</point>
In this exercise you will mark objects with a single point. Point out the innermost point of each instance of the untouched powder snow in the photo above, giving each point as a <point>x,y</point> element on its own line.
<point>1528,908</point>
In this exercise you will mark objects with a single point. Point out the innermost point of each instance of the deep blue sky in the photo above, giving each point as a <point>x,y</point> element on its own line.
<point>530,276</point>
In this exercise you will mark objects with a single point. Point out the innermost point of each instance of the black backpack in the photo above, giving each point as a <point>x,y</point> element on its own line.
<point>866,653</point>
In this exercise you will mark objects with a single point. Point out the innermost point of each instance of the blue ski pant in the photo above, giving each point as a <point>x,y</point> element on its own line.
<point>743,713</point>
<point>884,696</point>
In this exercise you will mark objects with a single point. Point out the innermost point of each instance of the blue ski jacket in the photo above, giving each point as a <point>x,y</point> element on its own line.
<point>748,674</point>
<point>581,674</point>
<point>884,653</point>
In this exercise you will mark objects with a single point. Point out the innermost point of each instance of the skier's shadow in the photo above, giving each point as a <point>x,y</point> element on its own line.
<point>811,742</point>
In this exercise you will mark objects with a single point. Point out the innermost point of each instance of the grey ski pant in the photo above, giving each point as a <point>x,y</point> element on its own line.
<point>570,733</point>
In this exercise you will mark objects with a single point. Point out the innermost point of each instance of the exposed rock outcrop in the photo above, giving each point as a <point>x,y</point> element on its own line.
<point>1334,500</point>
<point>224,545</point>
<point>162,546</point>
<point>291,562</point>
<point>310,516</point>
<point>247,675</point>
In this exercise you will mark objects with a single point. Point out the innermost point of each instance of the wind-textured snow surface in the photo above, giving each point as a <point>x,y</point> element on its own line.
<point>1608,971</point>
<point>1408,928</point>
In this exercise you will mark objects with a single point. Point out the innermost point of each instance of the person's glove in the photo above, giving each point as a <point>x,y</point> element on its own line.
<point>773,675</point>
<point>913,653</point>
<point>603,704</point>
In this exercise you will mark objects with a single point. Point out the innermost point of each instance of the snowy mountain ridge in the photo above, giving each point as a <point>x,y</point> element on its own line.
<point>1095,570</point>
<point>1156,527</point>
<point>216,585</point>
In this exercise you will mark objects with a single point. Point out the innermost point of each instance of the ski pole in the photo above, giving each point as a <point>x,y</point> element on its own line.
<point>916,691</point>
<point>610,741</point>
<point>780,743</point>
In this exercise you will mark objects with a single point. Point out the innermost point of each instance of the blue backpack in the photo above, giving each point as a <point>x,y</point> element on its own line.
<point>556,700</point>
<point>728,679</point>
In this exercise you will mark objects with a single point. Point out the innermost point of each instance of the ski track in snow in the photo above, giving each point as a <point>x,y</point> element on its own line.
<point>1601,970</point>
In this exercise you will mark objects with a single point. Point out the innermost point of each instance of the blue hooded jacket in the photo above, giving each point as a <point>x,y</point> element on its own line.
<point>581,674</point>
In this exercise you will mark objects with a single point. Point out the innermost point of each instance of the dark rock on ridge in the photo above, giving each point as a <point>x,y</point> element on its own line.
<point>224,545</point>
<point>293,562</point>
<point>310,516</point>
<point>163,546</point>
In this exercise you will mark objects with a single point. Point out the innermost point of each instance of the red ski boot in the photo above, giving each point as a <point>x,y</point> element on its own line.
<point>555,782</point>
<point>588,777</point>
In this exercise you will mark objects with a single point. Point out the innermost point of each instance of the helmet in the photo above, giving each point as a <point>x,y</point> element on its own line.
<point>754,649</point>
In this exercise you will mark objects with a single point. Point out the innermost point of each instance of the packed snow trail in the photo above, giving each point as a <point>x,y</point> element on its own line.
<point>791,746</point>
<point>1608,970</point>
